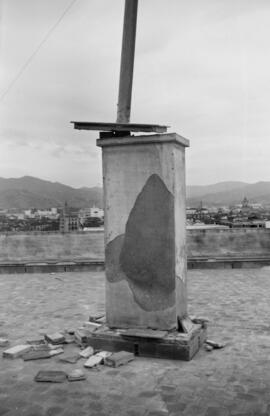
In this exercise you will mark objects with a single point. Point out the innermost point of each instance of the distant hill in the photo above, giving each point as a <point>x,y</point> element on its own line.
<point>228,193</point>
<point>30,192</point>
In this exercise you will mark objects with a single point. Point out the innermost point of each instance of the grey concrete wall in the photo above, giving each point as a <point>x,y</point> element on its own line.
<point>27,247</point>
<point>229,243</point>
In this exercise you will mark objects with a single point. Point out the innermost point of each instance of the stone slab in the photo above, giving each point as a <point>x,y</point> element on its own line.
<point>93,361</point>
<point>55,339</point>
<point>96,318</point>
<point>56,352</point>
<point>119,358</point>
<point>70,358</point>
<point>91,326</point>
<point>36,355</point>
<point>104,354</point>
<point>51,376</point>
<point>87,352</point>
<point>175,346</point>
<point>17,351</point>
<point>81,335</point>
<point>4,342</point>
<point>76,375</point>
<point>41,347</point>
<point>186,324</point>
<point>36,341</point>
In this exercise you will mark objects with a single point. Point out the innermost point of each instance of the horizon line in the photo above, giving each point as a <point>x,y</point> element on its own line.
<point>100,185</point>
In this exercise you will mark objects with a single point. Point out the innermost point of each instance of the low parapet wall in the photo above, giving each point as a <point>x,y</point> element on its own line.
<point>35,247</point>
<point>22,247</point>
<point>244,242</point>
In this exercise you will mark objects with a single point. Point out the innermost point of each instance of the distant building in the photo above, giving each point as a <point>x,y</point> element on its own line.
<point>191,211</point>
<point>96,212</point>
<point>84,214</point>
<point>68,220</point>
<point>256,205</point>
<point>93,212</point>
<point>246,208</point>
<point>245,203</point>
<point>40,213</point>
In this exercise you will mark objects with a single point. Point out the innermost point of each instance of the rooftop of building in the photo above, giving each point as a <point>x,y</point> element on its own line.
<point>230,381</point>
<point>207,227</point>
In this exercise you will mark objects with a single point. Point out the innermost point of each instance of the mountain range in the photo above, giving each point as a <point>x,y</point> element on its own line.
<point>30,192</point>
<point>228,193</point>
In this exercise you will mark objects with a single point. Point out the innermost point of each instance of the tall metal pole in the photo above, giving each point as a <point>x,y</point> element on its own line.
<point>127,61</point>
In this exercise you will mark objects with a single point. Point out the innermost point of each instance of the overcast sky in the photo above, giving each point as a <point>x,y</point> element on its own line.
<point>201,66</point>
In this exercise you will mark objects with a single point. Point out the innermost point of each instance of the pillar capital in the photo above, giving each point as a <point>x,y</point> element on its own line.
<point>144,140</point>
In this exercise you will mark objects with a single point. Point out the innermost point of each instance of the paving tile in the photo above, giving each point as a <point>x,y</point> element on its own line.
<point>148,393</point>
<point>95,406</point>
<point>3,410</point>
<point>54,411</point>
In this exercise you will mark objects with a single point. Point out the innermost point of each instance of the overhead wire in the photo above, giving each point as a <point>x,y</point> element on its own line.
<point>31,57</point>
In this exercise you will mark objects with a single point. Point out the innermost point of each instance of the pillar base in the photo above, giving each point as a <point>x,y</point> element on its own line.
<point>174,345</point>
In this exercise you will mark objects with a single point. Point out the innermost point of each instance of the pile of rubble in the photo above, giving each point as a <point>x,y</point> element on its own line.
<point>52,344</point>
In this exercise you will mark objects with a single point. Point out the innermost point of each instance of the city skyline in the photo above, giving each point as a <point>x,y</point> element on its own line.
<point>202,70</point>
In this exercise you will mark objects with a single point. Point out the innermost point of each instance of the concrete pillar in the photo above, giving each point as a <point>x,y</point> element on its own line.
<point>145,230</point>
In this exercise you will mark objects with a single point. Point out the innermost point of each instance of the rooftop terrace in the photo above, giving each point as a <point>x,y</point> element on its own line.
<point>231,381</point>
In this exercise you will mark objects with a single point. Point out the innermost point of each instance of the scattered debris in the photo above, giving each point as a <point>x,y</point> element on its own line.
<point>4,342</point>
<point>17,351</point>
<point>215,345</point>
<point>101,320</point>
<point>208,347</point>
<point>36,355</point>
<point>69,339</point>
<point>97,318</point>
<point>55,339</point>
<point>59,278</point>
<point>93,361</point>
<point>81,336</point>
<point>56,352</point>
<point>185,325</point>
<point>91,326</point>
<point>37,341</point>
<point>70,331</point>
<point>71,359</point>
<point>145,333</point>
<point>119,358</point>
<point>202,321</point>
<point>76,375</point>
<point>87,352</point>
<point>55,347</point>
<point>103,354</point>
<point>41,347</point>
<point>51,376</point>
